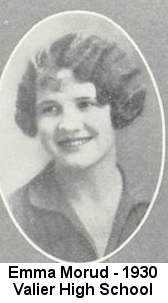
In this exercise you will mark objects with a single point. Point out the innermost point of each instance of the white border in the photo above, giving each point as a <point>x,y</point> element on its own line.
<point>163,132</point>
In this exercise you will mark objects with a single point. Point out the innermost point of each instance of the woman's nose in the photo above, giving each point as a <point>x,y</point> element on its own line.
<point>71,120</point>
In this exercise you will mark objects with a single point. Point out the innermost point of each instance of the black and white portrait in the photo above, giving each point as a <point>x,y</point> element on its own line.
<point>83,150</point>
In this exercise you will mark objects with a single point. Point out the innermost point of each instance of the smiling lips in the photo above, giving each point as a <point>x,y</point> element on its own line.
<point>74,142</point>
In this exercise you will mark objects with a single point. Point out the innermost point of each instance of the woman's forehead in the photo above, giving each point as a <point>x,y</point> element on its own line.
<point>62,82</point>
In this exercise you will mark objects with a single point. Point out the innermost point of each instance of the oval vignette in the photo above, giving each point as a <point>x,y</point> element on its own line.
<point>74,21</point>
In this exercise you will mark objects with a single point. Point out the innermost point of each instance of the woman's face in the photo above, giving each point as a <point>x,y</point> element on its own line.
<point>73,127</point>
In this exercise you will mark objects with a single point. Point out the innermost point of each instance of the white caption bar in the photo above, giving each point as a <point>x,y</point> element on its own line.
<point>52,282</point>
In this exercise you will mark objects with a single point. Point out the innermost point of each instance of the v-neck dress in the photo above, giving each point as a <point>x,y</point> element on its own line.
<point>55,227</point>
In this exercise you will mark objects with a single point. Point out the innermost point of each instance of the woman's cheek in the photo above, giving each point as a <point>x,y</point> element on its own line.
<point>46,125</point>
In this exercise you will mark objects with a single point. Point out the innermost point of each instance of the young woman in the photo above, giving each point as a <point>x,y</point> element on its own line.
<point>73,97</point>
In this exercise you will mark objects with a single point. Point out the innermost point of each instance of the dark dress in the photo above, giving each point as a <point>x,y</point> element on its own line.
<point>55,228</point>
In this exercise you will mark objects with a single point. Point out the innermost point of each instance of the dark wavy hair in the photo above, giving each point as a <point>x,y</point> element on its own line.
<point>117,80</point>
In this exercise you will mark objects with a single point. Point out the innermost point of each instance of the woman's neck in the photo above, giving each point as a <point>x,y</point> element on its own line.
<point>94,184</point>
<point>94,194</point>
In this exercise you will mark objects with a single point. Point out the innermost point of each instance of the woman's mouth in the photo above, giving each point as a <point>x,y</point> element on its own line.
<point>74,142</point>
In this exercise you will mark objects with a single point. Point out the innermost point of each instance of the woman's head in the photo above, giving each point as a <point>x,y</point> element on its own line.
<point>91,59</point>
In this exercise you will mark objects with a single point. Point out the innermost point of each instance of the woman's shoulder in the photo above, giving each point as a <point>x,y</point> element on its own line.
<point>18,197</point>
<point>138,210</point>
<point>21,195</point>
<point>17,203</point>
<point>133,219</point>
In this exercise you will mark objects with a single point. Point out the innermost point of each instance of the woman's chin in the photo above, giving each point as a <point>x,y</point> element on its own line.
<point>74,164</point>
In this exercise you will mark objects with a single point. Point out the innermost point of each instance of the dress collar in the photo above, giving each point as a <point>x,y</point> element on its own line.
<point>43,195</point>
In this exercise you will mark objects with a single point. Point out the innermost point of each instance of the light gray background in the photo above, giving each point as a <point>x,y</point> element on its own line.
<point>146,22</point>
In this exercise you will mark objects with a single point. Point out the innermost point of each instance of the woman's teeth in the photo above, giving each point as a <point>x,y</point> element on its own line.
<point>74,142</point>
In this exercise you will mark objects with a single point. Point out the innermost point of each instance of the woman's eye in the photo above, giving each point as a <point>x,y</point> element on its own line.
<point>85,104</point>
<point>50,110</point>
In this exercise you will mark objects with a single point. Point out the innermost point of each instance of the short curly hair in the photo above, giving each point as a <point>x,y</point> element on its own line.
<point>117,80</point>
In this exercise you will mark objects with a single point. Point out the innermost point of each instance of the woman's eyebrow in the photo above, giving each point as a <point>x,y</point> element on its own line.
<point>47,103</point>
<point>84,98</point>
